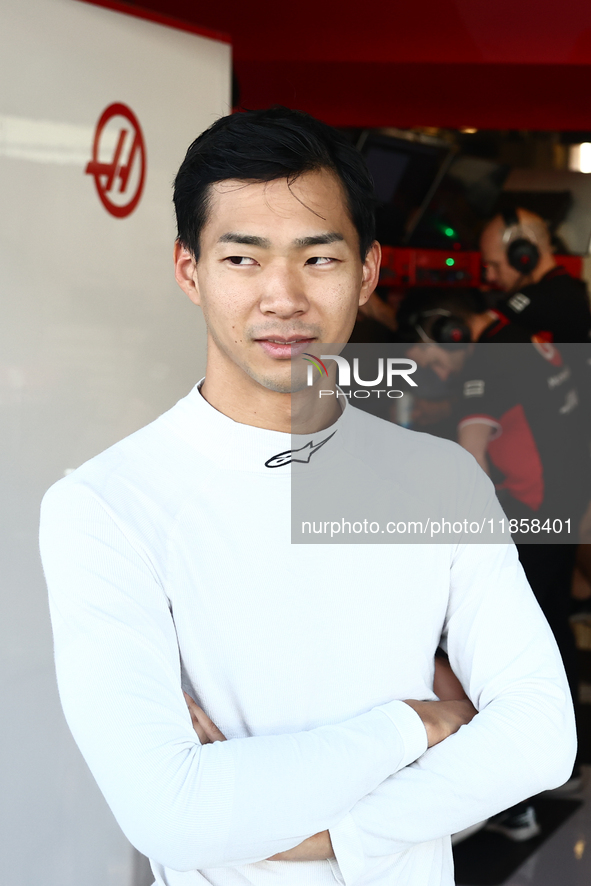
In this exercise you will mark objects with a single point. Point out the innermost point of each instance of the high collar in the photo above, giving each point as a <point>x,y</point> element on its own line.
<point>242,447</point>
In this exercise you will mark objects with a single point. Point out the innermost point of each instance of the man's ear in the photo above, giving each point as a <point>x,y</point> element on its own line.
<point>371,271</point>
<point>185,272</point>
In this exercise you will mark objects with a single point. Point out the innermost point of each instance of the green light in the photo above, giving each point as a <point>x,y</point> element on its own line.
<point>450,262</point>
<point>449,232</point>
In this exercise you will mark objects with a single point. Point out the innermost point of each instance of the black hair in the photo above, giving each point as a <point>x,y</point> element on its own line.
<point>264,146</point>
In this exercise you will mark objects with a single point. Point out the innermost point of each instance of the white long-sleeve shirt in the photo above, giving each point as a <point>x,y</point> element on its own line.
<point>169,567</point>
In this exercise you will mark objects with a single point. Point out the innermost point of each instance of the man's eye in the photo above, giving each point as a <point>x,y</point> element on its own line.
<point>240,260</point>
<point>319,260</point>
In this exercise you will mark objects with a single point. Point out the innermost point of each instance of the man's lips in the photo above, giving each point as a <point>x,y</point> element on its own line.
<point>283,348</point>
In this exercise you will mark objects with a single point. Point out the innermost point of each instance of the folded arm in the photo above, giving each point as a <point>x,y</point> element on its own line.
<point>439,718</point>
<point>185,804</point>
<point>522,741</point>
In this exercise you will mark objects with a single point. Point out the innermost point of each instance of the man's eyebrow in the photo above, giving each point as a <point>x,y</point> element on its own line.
<point>264,243</point>
<point>245,240</point>
<point>319,239</point>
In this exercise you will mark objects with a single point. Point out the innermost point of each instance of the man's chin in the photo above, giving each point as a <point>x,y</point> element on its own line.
<point>283,386</point>
<point>286,382</point>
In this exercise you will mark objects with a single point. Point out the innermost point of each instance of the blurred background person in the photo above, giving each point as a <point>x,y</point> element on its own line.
<point>541,296</point>
<point>517,411</point>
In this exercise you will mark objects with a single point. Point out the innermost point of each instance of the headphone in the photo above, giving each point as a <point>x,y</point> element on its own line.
<point>522,253</point>
<point>446,329</point>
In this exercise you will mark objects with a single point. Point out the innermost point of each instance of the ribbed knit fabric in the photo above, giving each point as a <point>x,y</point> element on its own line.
<point>169,567</point>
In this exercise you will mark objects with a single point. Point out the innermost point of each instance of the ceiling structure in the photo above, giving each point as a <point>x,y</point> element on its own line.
<point>495,64</point>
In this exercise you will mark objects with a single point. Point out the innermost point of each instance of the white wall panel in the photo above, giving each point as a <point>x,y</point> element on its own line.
<point>95,341</point>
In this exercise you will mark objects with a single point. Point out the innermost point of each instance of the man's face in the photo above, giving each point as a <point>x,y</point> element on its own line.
<point>279,273</point>
<point>443,361</point>
<point>494,258</point>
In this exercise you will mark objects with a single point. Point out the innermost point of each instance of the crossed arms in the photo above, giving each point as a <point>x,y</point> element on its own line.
<point>441,719</point>
<point>228,803</point>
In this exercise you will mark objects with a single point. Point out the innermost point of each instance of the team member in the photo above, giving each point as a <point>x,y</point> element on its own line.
<point>518,414</point>
<point>170,569</point>
<point>542,296</point>
<point>519,406</point>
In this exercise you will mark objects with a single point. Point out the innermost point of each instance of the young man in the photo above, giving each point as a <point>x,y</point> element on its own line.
<point>170,569</point>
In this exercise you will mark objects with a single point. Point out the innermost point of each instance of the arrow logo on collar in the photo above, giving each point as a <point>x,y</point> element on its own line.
<point>285,458</point>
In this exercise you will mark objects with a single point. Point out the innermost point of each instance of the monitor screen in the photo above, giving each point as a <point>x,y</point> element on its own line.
<point>404,174</point>
<point>465,197</point>
<point>387,169</point>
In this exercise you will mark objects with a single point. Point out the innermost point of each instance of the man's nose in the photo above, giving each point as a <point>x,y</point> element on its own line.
<point>490,275</point>
<point>283,293</point>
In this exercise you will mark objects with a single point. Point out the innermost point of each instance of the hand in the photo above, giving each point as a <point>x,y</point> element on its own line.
<point>446,685</point>
<point>315,848</point>
<point>442,718</point>
<point>203,726</point>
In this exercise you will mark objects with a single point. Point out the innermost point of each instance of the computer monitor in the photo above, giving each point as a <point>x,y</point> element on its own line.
<point>406,172</point>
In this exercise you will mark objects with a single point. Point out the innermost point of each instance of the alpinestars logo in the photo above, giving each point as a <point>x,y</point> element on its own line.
<point>305,452</point>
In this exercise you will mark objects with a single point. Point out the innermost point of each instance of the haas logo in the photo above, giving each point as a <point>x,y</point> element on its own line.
<point>118,162</point>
